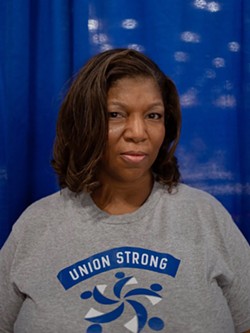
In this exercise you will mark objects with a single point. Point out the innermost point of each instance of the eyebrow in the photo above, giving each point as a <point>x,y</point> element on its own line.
<point>154,104</point>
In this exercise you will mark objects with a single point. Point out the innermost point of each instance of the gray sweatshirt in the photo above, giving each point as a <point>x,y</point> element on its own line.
<point>177,264</point>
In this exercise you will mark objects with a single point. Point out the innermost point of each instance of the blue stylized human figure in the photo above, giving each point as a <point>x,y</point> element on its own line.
<point>141,313</point>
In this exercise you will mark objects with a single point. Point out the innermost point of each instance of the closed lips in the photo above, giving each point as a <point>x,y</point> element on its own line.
<point>133,156</point>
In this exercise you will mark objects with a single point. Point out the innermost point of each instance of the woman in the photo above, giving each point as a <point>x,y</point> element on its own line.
<point>124,247</point>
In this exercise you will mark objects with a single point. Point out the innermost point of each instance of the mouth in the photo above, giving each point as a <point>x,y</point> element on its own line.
<point>133,157</point>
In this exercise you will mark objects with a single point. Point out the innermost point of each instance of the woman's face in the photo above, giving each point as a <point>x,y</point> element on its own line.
<point>136,130</point>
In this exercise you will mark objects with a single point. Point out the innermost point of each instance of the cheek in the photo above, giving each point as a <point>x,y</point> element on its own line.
<point>160,136</point>
<point>115,131</point>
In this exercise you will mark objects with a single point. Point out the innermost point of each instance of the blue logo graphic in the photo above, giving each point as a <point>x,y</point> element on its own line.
<point>120,301</point>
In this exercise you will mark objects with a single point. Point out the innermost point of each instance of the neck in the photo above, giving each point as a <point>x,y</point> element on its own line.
<point>121,198</point>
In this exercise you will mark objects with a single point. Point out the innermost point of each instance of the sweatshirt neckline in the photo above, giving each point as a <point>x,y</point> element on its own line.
<point>88,206</point>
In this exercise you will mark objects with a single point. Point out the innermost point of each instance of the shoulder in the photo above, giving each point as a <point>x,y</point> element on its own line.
<point>51,205</point>
<point>44,207</point>
<point>192,198</point>
<point>44,214</point>
<point>197,212</point>
<point>192,193</point>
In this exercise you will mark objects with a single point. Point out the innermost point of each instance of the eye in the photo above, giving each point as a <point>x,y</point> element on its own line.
<point>113,114</point>
<point>116,115</point>
<point>154,115</point>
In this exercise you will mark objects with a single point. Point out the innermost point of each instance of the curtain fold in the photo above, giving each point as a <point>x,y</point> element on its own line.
<point>204,46</point>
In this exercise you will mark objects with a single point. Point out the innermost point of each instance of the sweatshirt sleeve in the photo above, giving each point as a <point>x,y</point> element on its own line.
<point>11,298</point>
<point>237,292</point>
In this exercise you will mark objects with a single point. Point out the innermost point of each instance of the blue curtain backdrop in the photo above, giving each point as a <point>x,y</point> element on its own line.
<point>203,45</point>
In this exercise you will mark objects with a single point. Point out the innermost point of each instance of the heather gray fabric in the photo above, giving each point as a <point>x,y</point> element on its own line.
<point>177,264</point>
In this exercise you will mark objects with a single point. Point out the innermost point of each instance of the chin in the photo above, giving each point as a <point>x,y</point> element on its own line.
<point>135,175</point>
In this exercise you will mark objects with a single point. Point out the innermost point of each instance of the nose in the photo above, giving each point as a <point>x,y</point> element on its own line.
<point>135,130</point>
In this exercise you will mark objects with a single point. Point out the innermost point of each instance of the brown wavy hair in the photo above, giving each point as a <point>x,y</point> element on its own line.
<point>82,125</point>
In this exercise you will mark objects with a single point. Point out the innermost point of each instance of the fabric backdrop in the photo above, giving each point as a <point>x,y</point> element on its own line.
<point>204,46</point>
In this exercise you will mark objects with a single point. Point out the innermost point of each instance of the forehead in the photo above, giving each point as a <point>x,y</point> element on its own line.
<point>140,79</point>
<point>139,86</point>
